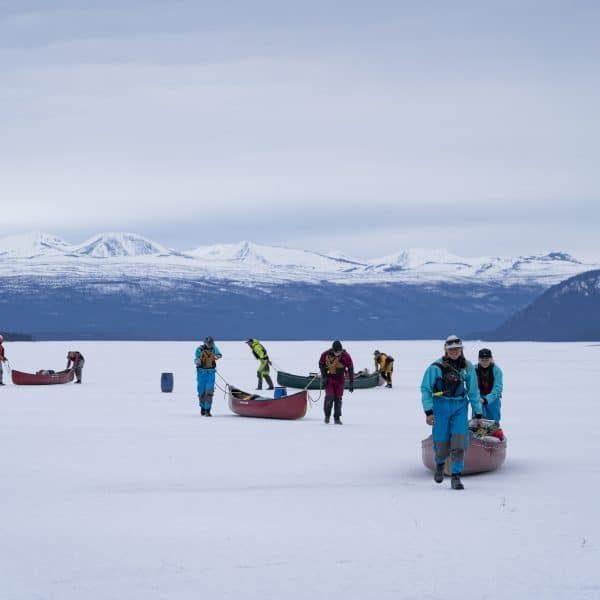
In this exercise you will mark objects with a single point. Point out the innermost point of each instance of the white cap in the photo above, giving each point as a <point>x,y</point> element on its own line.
<point>453,341</point>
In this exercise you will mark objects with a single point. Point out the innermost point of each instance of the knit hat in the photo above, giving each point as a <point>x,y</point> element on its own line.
<point>453,341</point>
<point>337,346</point>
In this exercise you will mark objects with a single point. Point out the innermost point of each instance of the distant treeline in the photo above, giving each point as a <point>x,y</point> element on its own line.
<point>17,337</point>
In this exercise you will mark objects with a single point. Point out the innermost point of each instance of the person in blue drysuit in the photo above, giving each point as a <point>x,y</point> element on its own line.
<point>489,378</point>
<point>449,385</point>
<point>206,357</point>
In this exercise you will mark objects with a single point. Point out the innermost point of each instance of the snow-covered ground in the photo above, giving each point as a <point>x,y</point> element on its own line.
<point>114,490</point>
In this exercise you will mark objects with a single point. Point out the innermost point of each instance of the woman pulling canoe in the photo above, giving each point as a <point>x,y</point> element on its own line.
<point>449,385</point>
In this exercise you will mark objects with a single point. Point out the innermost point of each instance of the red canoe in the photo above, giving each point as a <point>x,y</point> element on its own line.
<point>42,377</point>
<point>252,405</point>
<point>481,455</point>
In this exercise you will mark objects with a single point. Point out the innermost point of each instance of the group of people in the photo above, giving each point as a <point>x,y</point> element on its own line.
<point>75,361</point>
<point>334,364</point>
<point>449,385</point>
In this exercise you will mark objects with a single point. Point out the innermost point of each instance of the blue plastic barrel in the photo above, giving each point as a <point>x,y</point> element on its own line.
<point>166,382</point>
<point>279,392</point>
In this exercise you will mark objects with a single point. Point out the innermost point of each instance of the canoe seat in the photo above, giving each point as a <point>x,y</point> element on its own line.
<point>241,395</point>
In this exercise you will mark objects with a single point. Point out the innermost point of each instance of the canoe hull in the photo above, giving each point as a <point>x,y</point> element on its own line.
<point>480,456</point>
<point>252,405</point>
<point>311,382</point>
<point>21,378</point>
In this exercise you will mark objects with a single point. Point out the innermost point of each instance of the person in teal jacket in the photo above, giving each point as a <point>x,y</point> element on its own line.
<point>206,357</point>
<point>489,378</point>
<point>449,385</point>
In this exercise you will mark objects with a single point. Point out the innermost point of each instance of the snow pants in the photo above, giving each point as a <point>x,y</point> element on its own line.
<point>206,387</point>
<point>263,367</point>
<point>333,397</point>
<point>263,373</point>
<point>0,371</point>
<point>491,411</point>
<point>450,431</point>
<point>386,373</point>
<point>78,369</point>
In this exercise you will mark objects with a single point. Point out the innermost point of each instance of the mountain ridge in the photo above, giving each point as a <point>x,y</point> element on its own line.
<point>249,261</point>
<point>567,311</point>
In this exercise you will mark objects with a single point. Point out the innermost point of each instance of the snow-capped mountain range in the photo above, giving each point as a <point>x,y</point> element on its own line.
<point>566,311</point>
<point>128,253</point>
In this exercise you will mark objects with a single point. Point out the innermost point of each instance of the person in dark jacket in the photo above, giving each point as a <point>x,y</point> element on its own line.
<point>489,378</point>
<point>2,357</point>
<point>260,353</point>
<point>334,364</point>
<point>75,361</point>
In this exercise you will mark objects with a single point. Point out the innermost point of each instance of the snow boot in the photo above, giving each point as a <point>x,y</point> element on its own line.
<point>327,419</point>
<point>438,476</point>
<point>456,483</point>
<point>207,413</point>
<point>259,386</point>
<point>389,385</point>
<point>269,382</point>
<point>337,421</point>
<point>202,411</point>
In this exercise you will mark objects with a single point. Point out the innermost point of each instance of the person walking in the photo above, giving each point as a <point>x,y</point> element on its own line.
<point>449,385</point>
<point>334,363</point>
<point>75,361</point>
<point>260,353</point>
<point>205,359</point>
<point>2,358</point>
<point>490,381</point>
<point>384,365</point>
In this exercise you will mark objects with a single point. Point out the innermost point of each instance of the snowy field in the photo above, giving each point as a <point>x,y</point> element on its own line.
<point>114,490</point>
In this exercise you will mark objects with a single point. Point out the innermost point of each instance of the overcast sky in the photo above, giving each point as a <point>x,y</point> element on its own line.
<point>363,127</point>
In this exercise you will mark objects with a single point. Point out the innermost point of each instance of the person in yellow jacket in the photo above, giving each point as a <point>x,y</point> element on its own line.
<point>260,353</point>
<point>384,365</point>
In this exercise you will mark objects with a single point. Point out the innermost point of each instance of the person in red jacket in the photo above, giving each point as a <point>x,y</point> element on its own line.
<point>75,361</point>
<point>2,357</point>
<point>334,364</point>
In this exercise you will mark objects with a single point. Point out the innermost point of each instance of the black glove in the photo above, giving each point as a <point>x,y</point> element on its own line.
<point>484,401</point>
